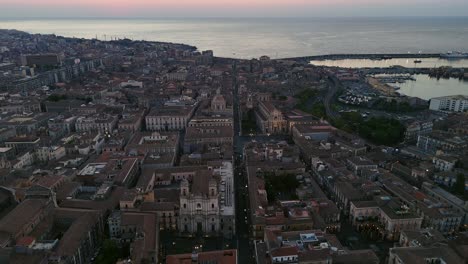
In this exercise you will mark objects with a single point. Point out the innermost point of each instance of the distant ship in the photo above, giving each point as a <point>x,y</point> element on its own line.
<point>454,55</point>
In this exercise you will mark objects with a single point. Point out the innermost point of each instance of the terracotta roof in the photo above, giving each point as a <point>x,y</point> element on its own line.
<point>221,256</point>
<point>72,238</point>
<point>25,241</point>
<point>200,182</point>
<point>284,251</point>
<point>13,222</point>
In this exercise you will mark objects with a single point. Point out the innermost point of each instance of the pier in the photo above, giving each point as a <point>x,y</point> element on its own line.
<point>382,56</point>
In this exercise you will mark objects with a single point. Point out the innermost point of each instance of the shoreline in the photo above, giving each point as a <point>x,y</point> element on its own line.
<point>323,57</point>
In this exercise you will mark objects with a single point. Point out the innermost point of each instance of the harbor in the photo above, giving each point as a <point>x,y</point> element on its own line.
<point>412,62</point>
<point>423,86</point>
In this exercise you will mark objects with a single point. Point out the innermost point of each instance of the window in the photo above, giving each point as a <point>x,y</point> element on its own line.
<point>198,205</point>
<point>212,205</point>
<point>185,206</point>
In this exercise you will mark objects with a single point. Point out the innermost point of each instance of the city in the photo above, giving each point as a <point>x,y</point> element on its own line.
<point>131,151</point>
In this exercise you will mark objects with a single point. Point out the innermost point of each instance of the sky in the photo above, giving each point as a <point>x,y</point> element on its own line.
<point>229,8</point>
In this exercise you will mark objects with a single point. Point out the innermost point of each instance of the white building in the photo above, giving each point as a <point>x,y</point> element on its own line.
<point>270,119</point>
<point>131,84</point>
<point>101,123</point>
<point>169,118</point>
<point>50,153</point>
<point>179,75</point>
<point>444,162</point>
<point>207,202</point>
<point>455,103</point>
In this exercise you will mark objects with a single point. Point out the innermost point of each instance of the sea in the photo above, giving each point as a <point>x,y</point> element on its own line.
<point>248,38</point>
<point>275,37</point>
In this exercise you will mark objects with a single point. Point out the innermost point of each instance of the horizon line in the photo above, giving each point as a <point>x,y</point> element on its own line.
<point>224,17</point>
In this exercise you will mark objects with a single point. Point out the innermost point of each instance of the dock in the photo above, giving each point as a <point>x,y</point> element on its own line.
<point>382,56</point>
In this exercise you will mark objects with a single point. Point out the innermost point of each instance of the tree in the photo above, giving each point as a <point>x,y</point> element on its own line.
<point>56,97</point>
<point>110,252</point>
<point>286,184</point>
<point>459,187</point>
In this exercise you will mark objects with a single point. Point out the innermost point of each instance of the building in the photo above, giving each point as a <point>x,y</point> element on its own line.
<point>122,171</point>
<point>318,132</point>
<point>423,237</point>
<point>99,122</point>
<point>40,60</point>
<point>169,118</point>
<point>23,219</point>
<point>307,247</point>
<point>218,103</point>
<point>432,254</point>
<point>449,178</point>
<point>154,142</point>
<point>417,128</point>
<point>435,213</point>
<point>443,196</point>
<point>22,144</point>
<point>444,162</point>
<point>26,124</point>
<point>270,120</point>
<point>177,75</point>
<point>386,215</point>
<point>131,84</point>
<point>209,119</point>
<point>454,103</point>
<point>63,124</point>
<point>357,163</point>
<point>50,153</point>
<point>6,133</point>
<point>439,141</point>
<point>131,120</point>
<point>198,137</point>
<point>228,256</point>
<point>140,230</point>
<point>207,202</point>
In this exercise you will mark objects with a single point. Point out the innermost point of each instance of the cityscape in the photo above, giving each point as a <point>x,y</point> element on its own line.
<point>119,150</point>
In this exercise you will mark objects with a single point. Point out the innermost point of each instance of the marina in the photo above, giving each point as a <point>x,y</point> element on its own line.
<point>414,62</point>
<point>425,87</point>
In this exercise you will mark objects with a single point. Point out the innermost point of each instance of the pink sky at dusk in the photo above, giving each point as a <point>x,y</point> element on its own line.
<point>262,7</point>
<point>220,3</point>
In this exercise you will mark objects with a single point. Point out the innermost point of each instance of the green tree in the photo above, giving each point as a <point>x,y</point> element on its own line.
<point>286,184</point>
<point>459,187</point>
<point>56,97</point>
<point>110,253</point>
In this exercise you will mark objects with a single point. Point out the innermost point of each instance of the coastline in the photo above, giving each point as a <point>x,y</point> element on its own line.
<point>319,56</point>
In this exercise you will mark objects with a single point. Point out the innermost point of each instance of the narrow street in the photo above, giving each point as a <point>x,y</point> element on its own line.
<point>335,85</point>
<point>246,254</point>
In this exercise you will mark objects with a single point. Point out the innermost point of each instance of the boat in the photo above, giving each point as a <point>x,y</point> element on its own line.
<point>454,55</point>
<point>417,61</point>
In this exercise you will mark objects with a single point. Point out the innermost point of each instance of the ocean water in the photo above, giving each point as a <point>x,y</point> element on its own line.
<point>406,62</point>
<point>426,88</point>
<point>275,37</point>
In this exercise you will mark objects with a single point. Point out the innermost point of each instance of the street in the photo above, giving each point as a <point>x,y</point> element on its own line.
<point>246,254</point>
